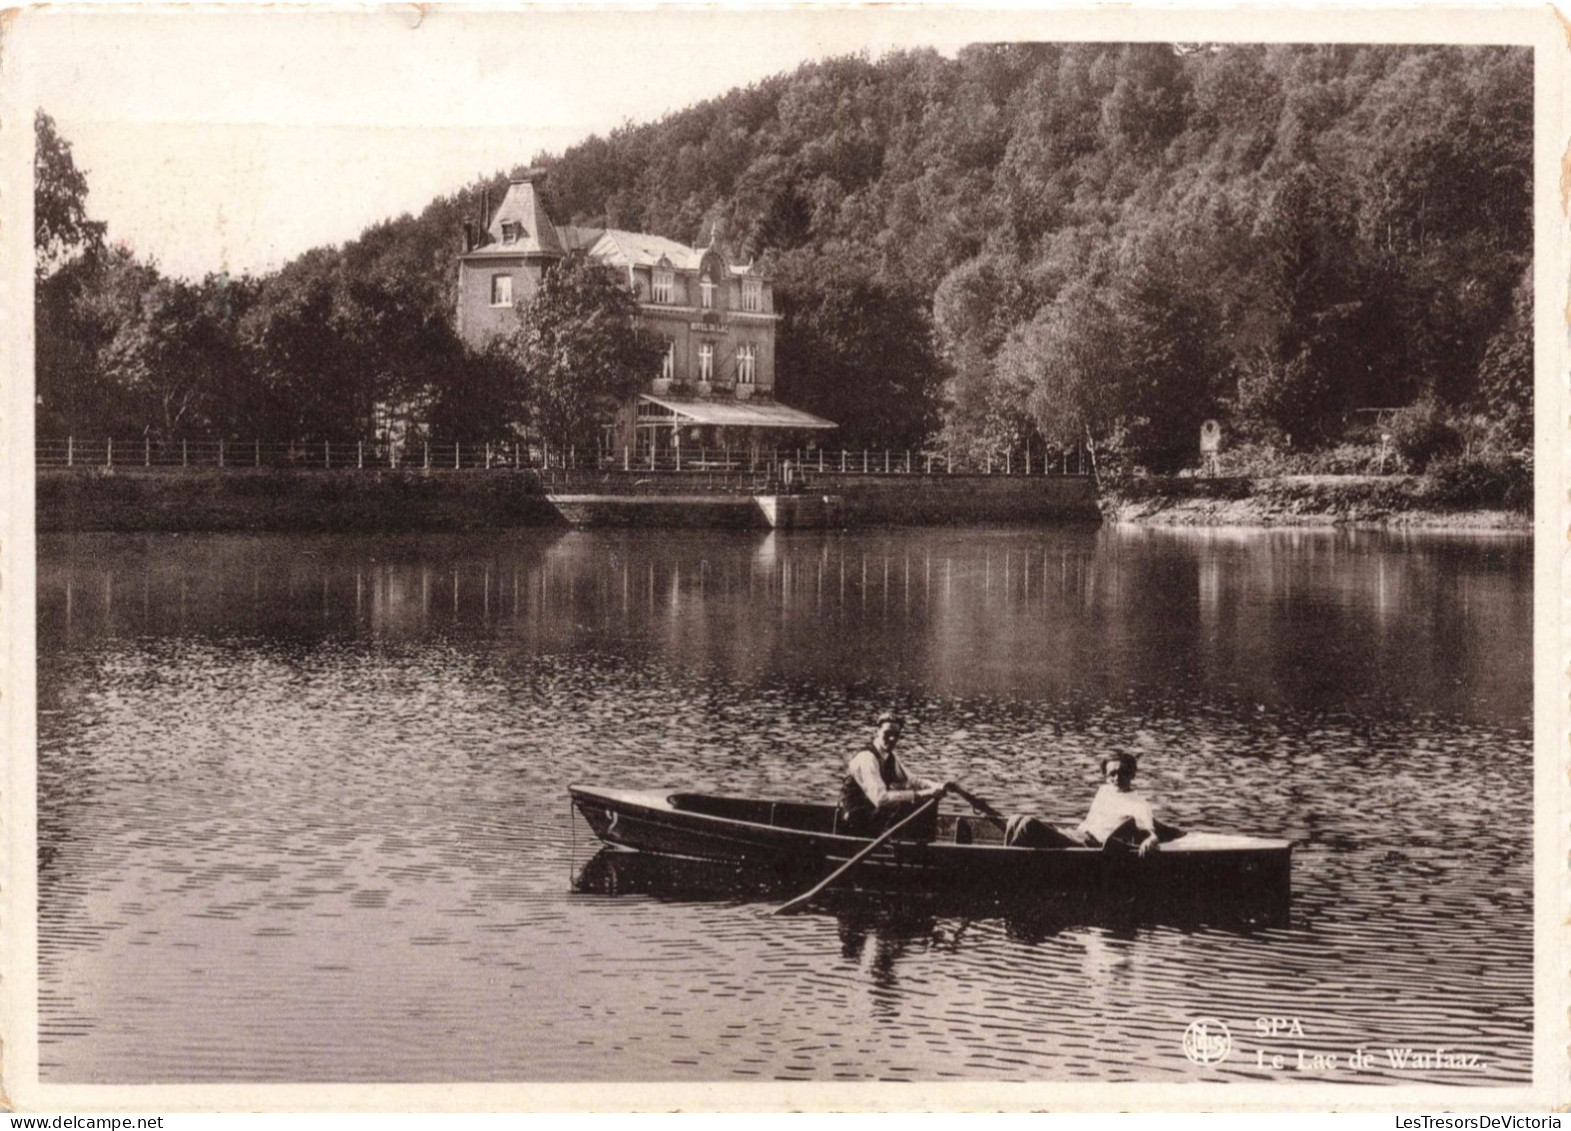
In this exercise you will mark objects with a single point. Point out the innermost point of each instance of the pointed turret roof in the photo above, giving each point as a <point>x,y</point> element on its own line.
<point>522,216</point>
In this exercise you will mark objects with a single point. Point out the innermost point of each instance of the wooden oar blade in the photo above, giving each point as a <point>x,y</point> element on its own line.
<point>800,901</point>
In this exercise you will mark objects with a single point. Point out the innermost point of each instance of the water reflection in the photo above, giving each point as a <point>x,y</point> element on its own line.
<point>1290,617</point>
<point>302,808</point>
<point>1029,917</point>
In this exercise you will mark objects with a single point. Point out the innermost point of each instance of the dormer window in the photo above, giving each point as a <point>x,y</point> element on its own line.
<point>512,232</point>
<point>753,294</point>
<point>664,288</point>
<point>706,291</point>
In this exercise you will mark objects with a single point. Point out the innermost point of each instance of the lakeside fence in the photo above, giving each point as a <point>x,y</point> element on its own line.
<point>367,455</point>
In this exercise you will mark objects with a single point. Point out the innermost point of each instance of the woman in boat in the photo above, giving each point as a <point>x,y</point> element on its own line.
<point>878,790</point>
<point>1118,815</point>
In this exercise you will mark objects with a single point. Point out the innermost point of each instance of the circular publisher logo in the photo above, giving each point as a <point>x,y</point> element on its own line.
<point>1207,1041</point>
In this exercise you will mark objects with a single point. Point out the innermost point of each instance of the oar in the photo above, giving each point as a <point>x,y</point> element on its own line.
<point>977,803</point>
<point>792,905</point>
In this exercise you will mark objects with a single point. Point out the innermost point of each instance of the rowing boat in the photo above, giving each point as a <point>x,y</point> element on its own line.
<point>782,840</point>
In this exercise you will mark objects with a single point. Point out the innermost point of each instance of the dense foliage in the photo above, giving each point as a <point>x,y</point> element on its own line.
<point>581,352</point>
<point>1054,244</point>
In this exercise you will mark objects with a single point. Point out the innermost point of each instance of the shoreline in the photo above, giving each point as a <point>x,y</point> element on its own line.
<point>1355,502</point>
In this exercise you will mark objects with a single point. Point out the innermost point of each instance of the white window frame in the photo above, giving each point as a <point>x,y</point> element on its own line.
<point>746,364</point>
<point>706,290</point>
<point>512,231</point>
<point>662,285</point>
<point>668,362</point>
<point>706,361</point>
<point>502,289</point>
<point>753,295</point>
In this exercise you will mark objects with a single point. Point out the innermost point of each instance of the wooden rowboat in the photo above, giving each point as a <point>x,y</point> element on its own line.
<point>790,840</point>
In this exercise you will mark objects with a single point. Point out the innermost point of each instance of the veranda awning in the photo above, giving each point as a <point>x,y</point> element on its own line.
<point>735,414</point>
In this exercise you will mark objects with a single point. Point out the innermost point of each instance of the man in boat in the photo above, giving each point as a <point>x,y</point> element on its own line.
<point>1118,816</point>
<point>879,791</point>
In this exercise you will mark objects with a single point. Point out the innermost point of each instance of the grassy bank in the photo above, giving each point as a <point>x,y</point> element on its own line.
<point>1301,500</point>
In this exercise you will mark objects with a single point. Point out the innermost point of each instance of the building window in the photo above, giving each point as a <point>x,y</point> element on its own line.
<point>511,232</point>
<point>706,288</point>
<point>746,364</point>
<point>706,361</point>
<point>501,290</point>
<point>753,294</point>
<point>668,362</point>
<point>664,289</point>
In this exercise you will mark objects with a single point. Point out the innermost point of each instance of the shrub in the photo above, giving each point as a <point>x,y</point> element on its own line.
<point>1265,462</point>
<point>1423,432</point>
<point>1481,481</point>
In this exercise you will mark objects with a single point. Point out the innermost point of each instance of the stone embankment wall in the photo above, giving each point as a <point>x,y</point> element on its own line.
<point>215,500</point>
<point>288,500</point>
<point>917,500</point>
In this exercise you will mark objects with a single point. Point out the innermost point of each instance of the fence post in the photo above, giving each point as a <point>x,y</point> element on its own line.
<point>842,459</point>
<point>109,454</point>
<point>70,450</point>
<point>886,461</point>
<point>1009,460</point>
<point>327,454</point>
<point>929,464</point>
<point>488,455</point>
<point>908,461</point>
<point>185,455</point>
<point>147,451</point>
<point>359,455</point>
<point>220,453</point>
<point>257,461</point>
<point>627,458</point>
<point>990,463</point>
<point>864,461</point>
<point>458,456</point>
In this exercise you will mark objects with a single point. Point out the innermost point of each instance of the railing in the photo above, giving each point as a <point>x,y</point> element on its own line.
<point>317,455</point>
<point>336,455</point>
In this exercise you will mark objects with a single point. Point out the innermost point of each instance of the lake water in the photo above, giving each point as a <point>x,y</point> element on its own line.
<point>303,809</point>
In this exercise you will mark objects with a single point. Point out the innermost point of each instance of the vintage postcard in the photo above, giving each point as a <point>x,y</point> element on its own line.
<point>821,557</point>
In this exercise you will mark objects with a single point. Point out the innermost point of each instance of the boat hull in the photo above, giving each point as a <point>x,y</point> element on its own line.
<point>782,841</point>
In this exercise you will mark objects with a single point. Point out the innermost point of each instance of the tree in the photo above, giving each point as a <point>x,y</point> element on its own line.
<point>1072,360</point>
<point>310,383</point>
<point>858,352</point>
<point>66,260</point>
<point>61,229</point>
<point>581,351</point>
<point>479,396</point>
<point>174,357</point>
<point>1506,377</point>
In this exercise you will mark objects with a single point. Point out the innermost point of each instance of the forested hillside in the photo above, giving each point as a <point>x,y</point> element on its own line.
<point>1053,244</point>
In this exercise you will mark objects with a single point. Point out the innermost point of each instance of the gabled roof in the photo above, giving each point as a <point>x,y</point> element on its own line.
<point>639,249</point>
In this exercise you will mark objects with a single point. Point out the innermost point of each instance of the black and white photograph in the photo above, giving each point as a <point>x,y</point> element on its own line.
<point>812,558</point>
